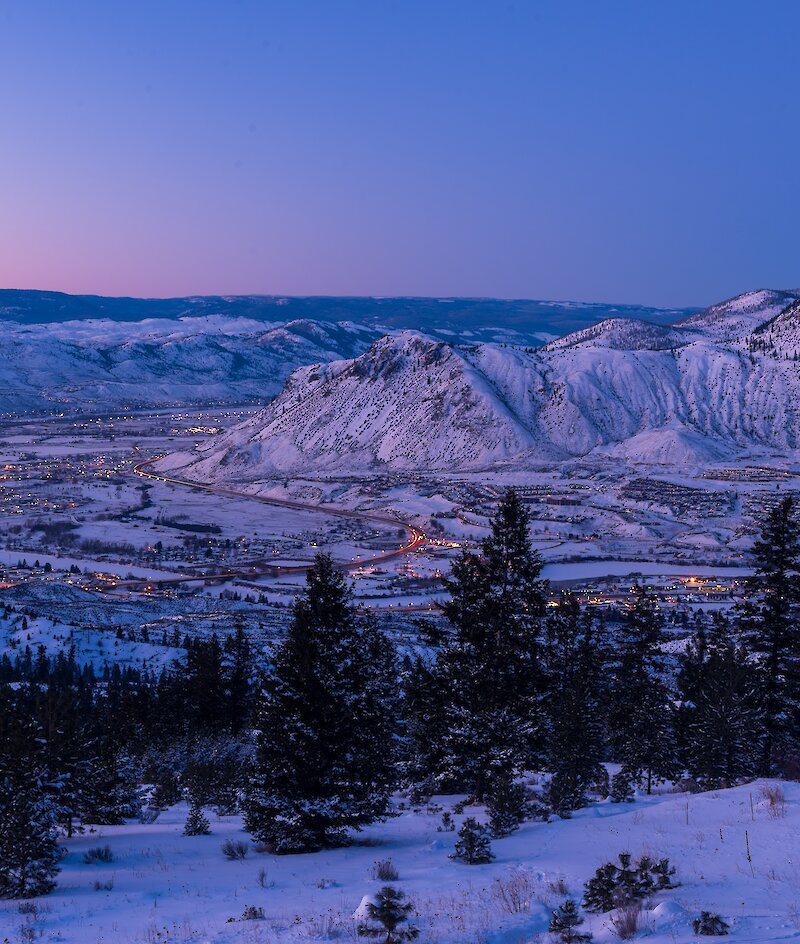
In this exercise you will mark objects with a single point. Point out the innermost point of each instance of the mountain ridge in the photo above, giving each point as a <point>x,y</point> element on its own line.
<point>521,320</point>
<point>413,402</point>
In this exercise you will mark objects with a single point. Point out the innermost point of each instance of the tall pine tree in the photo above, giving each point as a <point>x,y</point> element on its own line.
<point>488,673</point>
<point>575,731</point>
<point>720,711</point>
<point>640,709</point>
<point>325,723</point>
<point>29,849</point>
<point>770,620</point>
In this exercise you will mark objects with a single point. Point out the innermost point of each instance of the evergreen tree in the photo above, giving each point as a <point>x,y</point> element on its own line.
<point>565,921</point>
<point>389,916</point>
<point>424,724</point>
<point>237,678</point>
<point>110,793</point>
<point>600,892</point>
<point>204,685</point>
<point>770,619</point>
<point>613,886</point>
<point>197,823</point>
<point>721,718</point>
<point>640,722</point>
<point>621,787</point>
<point>663,873</point>
<point>508,805</point>
<point>575,736</point>
<point>488,673</point>
<point>325,722</point>
<point>473,845</point>
<point>29,849</point>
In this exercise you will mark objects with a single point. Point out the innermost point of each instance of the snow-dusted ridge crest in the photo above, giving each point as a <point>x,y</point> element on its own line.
<point>704,389</point>
<point>105,364</point>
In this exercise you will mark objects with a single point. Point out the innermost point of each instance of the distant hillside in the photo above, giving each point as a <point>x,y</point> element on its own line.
<point>478,319</point>
<point>91,366</point>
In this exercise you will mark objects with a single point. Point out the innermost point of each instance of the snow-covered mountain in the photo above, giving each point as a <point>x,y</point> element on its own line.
<point>100,365</point>
<point>737,317</point>
<point>704,389</point>
<point>89,353</point>
<point>521,321</point>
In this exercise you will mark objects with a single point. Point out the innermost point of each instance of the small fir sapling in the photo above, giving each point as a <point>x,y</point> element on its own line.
<point>389,918</point>
<point>473,845</point>
<point>197,823</point>
<point>565,921</point>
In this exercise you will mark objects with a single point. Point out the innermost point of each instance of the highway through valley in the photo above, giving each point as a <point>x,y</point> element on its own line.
<point>414,538</point>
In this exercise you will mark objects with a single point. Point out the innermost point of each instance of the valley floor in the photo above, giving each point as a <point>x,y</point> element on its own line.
<point>165,888</point>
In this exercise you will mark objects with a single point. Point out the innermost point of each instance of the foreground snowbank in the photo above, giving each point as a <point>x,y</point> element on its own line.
<point>165,887</point>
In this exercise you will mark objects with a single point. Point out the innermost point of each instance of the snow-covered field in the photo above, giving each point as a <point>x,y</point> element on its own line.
<point>165,887</point>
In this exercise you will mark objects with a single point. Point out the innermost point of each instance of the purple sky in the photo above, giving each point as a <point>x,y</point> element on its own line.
<point>635,151</point>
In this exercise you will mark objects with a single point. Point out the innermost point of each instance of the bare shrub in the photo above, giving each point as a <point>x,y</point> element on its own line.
<point>235,849</point>
<point>330,925</point>
<point>515,893</point>
<point>774,795</point>
<point>28,908</point>
<point>626,920</point>
<point>98,854</point>
<point>104,886</point>
<point>558,886</point>
<point>253,913</point>
<point>385,870</point>
<point>366,842</point>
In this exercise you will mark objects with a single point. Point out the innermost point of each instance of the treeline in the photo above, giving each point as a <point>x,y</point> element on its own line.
<point>510,681</point>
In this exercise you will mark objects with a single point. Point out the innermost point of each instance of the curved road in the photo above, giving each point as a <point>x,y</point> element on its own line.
<point>415,538</point>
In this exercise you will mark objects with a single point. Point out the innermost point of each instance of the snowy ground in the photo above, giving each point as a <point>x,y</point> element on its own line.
<point>164,887</point>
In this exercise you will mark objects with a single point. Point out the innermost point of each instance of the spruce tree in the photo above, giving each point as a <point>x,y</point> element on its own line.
<point>110,792</point>
<point>237,678</point>
<point>621,787</point>
<point>565,921</point>
<point>488,673</point>
<point>389,915</point>
<point>600,892</point>
<point>508,805</point>
<point>325,721</point>
<point>197,823</point>
<point>424,724</point>
<point>770,619</point>
<point>473,845</point>
<point>29,848</point>
<point>721,717</point>
<point>575,734</point>
<point>640,714</point>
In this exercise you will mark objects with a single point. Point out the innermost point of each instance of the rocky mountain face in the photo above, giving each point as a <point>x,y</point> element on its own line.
<point>706,388</point>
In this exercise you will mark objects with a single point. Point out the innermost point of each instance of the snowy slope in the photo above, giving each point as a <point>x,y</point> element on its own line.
<point>739,316</point>
<point>696,393</point>
<point>734,853</point>
<point>624,335</point>
<point>87,353</point>
<point>408,402</point>
<point>108,364</point>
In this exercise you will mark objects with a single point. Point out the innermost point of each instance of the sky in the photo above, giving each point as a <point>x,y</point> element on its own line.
<point>644,152</point>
